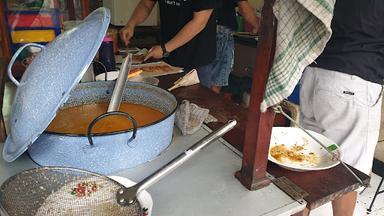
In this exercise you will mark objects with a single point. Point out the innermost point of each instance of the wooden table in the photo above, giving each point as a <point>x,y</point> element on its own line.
<point>322,186</point>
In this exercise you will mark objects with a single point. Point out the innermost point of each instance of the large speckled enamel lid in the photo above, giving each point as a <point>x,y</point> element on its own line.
<point>48,80</point>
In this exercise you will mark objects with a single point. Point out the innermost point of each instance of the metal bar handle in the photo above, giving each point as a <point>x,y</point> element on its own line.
<point>127,196</point>
<point>181,158</point>
<point>92,124</point>
<point>14,57</point>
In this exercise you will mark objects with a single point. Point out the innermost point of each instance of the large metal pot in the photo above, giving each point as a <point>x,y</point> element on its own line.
<point>110,152</point>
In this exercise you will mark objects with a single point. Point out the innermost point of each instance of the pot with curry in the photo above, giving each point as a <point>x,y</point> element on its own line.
<point>65,141</point>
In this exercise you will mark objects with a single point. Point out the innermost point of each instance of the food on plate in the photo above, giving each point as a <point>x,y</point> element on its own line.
<point>138,59</point>
<point>75,120</point>
<point>294,154</point>
<point>157,68</point>
<point>134,72</point>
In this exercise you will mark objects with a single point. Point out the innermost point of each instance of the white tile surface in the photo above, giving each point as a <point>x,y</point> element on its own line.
<point>363,202</point>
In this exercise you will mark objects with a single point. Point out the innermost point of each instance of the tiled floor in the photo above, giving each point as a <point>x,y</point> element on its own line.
<point>363,202</point>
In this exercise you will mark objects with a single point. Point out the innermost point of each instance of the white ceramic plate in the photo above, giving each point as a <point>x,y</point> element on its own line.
<point>172,69</point>
<point>144,197</point>
<point>112,75</point>
<point>318,157</point>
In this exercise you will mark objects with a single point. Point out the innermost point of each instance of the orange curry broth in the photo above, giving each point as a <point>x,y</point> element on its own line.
<point>75,120</point>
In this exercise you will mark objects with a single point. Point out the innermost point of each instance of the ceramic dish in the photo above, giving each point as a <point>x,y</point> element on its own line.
<point>155,69</point>
<point>295,150</point>
<point>112,75</point>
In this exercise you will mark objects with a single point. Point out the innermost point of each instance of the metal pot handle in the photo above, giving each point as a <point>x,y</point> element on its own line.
<point>14,57</point>
<point>90,127</point>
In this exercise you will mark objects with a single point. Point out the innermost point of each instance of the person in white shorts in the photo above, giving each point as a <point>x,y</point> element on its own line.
<point>340,95</point>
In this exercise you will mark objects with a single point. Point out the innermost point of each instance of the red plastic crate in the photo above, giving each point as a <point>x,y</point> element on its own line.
<point>38,19</point>
<point>30,20</point>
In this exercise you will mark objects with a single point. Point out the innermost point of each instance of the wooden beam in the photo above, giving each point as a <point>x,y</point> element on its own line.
<point>259,124</point>
<point>6,50</point>
<point>85,8</point>
<point>5,43</point>
<point>71,9</point>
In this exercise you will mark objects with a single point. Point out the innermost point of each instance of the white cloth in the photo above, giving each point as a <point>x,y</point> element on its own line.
<point>190,117</point>
<point>344,108</point>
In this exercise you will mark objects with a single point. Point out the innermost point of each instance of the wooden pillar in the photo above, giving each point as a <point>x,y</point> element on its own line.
<point>259,125</point>
<point>6,50</point>
<point>5,44</point>
<point>85,8</point>
<point>71,9</point>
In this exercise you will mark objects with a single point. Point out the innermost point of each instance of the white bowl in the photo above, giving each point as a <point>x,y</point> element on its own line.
<point>148,80</point>
<point>112,75</point>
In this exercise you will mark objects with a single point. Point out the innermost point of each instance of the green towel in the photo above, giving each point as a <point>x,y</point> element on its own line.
<point>303,30</point>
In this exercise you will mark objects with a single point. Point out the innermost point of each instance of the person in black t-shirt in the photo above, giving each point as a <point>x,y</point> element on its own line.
<point>188,31</point>
<point>216,74</point>
<point>341,92</point>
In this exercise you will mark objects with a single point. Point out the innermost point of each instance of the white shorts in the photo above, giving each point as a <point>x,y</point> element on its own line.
<point>344,108</point>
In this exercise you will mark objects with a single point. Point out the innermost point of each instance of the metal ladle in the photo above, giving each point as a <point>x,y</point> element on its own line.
<point>121,82</point>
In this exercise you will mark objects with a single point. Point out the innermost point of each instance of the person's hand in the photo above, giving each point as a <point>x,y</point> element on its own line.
<point>126,33</point>
<point>255,31</point>
<point>155,52</point>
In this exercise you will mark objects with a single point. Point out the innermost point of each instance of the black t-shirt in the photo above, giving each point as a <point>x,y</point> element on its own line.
<point>226,13</point>
<point>357,43</point>
<point>174,15</point>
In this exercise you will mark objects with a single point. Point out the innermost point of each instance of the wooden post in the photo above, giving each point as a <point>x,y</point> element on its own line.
<point>85,8</point>
<point>259,125</point>
<point>5,48</point>
<point>71,9</point>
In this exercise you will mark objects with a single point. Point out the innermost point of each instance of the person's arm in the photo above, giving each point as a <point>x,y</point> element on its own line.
<point>247,11</point>
<point>140,14</point>
<point>189,31</point>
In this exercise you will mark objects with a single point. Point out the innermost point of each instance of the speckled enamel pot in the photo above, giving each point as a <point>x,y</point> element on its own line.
<point>110,152</point>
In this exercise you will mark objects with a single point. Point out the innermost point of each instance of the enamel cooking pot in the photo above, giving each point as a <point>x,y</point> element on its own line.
<point>114,151</point>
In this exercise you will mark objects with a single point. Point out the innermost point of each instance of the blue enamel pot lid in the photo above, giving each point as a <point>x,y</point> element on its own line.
<point>48,80</point>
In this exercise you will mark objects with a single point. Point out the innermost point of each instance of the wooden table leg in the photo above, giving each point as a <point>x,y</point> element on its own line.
<point>259,124</point>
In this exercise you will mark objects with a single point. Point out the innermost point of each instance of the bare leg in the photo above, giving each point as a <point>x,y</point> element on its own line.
<point>216,89</point>
<point>344,205</point>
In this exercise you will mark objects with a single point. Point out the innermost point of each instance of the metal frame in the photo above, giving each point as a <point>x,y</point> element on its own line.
<point>378,168</point>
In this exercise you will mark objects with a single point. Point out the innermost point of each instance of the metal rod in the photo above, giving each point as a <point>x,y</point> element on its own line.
<point>121,81</point>
<point>127,196</point>
<point>181,158</point>
<point>278,109</point>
